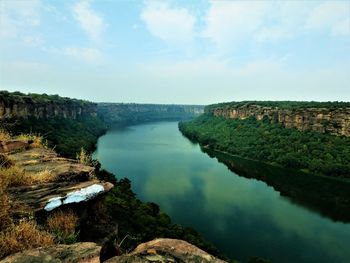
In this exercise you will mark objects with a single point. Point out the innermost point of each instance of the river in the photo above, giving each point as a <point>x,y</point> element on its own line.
<point>243,217</point>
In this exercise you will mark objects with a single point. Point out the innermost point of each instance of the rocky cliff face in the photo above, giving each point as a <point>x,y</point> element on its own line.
<point>114,113</point>
<point>19,105</point>
<point>324,120</point>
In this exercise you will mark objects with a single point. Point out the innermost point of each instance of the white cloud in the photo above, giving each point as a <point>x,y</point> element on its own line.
<point>33,41</point>
<point>232,24</point>
<point>175,25</point>
<point>228,23</point>
<point>332,16</point>
<point>87,54</point>
<point>91,22</point>
<point>17,17</point>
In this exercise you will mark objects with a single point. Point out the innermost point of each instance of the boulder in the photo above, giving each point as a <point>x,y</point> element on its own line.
<point>166,250</point>
<point>84,252</point>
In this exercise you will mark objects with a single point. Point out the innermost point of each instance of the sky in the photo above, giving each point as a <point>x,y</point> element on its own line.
<point>187,52</point>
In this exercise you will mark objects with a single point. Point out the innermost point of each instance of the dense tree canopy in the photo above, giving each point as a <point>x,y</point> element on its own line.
<point>270,142</point>
<point>282,104</point>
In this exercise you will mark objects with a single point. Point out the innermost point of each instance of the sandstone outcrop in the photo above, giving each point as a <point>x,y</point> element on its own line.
<point>158,250</point>
<point>13,145</point>
<point>16,106</point>
<point>66,181</point>
<point>166,250</point>
<point>323,120</point>
<point>84,252</point>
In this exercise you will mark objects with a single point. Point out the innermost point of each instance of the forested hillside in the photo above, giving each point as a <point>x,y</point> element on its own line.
<point>262,140</point>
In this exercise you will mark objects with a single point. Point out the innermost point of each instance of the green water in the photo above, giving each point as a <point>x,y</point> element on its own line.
<point>242,217</point>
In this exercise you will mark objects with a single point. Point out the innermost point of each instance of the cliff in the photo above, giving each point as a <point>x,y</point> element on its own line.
<point>331,120</point>
<point>18,105</point>
<point>129,113</point>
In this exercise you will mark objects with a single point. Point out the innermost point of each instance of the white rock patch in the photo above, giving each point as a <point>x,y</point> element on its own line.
<point>75,196</point>
<point>53,203</point>
<point>83,194</point>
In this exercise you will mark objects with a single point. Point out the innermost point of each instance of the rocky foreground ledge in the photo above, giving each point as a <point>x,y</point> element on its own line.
<point>158,250</point>
<point>66,181</point>
<point>46,182</point>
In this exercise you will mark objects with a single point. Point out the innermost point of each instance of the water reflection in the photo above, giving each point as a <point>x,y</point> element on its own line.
<point>242,216</point>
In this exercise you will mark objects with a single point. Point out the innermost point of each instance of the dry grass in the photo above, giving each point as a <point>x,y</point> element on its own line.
<point>5,161</point>
<point>44,176</point>
<point>16,176</point>
<point>4,135</point>
<point>83,157</point>
<point>62,224</point>
<point>38,140</point>
<point>13,176</point>
<point>30,162</point>
<point>25,235</point>
<point>5,218</point>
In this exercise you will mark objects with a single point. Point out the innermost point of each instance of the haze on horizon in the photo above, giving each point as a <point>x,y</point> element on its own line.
<point>186,52</point>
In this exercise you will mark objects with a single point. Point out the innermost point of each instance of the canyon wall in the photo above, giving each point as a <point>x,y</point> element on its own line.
<point>17,105</point>
<point>129,113</point>
<point>335,121</point>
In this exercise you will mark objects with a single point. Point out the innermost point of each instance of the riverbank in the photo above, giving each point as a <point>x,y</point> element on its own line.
<point>234,212</point>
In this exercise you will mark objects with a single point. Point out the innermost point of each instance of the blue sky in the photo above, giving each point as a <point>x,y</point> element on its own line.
<point>177,51</point>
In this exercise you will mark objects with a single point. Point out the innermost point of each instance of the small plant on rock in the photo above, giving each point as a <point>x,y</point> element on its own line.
<point>83,157</point>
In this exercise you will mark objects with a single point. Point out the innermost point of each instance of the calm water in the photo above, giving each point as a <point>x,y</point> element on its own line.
<point>242,217</point>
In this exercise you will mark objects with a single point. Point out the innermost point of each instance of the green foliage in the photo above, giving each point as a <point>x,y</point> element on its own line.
<point>313,152</point>
<point>131,113</point>
<point>67,136</point>
<point>142,221</point>
<point>15,97</point>
<point>145,221</point>
<point>291,105</point>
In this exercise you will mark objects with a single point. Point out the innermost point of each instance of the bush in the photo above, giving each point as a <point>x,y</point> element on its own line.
<point>4,135</point>
<point>83,157</point>
<point>37,140</point>
<point>25,235</point>
<point>62,224</point>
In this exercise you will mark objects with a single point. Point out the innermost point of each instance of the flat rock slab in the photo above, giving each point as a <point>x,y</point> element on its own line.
<point>85,252</point>
<point>69,180</point>
<point>166,250</point>
<point>40,196</point>
<point>13,145</point>
<point>36,160</point>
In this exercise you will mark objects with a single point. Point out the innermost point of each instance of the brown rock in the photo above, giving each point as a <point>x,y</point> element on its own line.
<point>37,197</point>
<point>66,180</point>
<point>166,250</point>
<point>323,120</point>
<point>85,252</point>
<point>10,146</point>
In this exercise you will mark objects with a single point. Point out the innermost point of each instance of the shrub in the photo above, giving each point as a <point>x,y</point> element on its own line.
<point>83,157</point>
<point>37,140</point>
<point>25,235</point>
<point>62,225</point>
<point>4,135</point>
